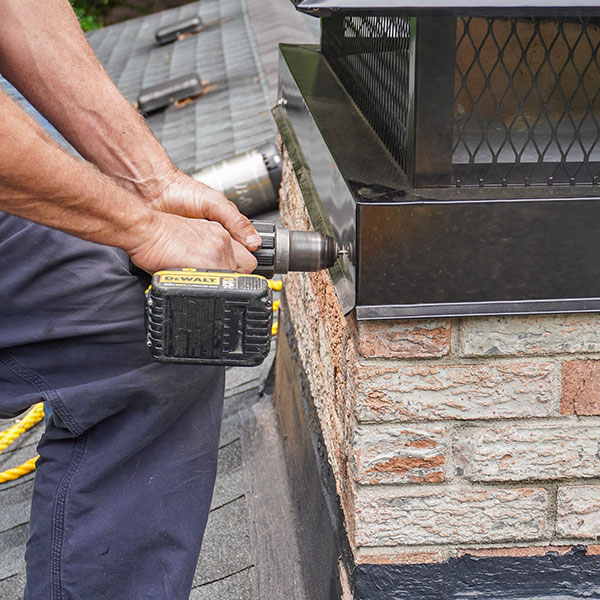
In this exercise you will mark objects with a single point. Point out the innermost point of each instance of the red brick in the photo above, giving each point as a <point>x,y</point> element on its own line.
<point>580,387</point>
<point>530,335</point>
<point>439,515</point>
<point>399,455</point>
<point>400,392</point>
<point>330,313</point>
<point>407,558</point>
<point>529,551</point>
<point>404,339</point>
<point>578,511</point>
<point>524,451</point>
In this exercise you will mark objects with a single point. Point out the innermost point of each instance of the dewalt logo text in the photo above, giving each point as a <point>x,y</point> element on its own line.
<point>193,279</point>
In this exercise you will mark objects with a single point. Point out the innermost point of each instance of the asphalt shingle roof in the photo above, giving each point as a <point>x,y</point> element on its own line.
<point>231,118</point>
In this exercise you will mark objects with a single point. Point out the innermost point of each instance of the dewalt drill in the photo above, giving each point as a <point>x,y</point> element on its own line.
<point>225,318</point>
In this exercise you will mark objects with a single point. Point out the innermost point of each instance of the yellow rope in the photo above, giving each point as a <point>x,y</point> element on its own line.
<point>34,415</point>
<point>12,474</point>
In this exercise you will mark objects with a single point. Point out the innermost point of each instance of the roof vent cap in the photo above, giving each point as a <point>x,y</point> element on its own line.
<point>172,32</point>
<point>159,96</point>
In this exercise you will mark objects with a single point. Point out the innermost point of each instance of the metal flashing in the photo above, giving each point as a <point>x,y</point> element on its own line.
<point>432,252</point>
<point>325,8</point>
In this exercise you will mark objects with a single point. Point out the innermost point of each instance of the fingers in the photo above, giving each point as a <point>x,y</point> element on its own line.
<point>217,208</point>
<point>190,198</point>
<point>181,242</point>
<point>245,262</point>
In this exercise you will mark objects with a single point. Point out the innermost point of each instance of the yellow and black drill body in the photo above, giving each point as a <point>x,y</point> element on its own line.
<point>209,317</point>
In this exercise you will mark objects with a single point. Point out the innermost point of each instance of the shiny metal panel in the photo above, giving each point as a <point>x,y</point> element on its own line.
<point>302,76</point>
<point>324,8</point>
<point>434,311</point>
<point>431,93</point>
<point>333,149</point>
<point>479,257</point>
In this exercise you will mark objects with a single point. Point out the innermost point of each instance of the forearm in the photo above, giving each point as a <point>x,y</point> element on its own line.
<point>41,182</point>
<point>44,53</point>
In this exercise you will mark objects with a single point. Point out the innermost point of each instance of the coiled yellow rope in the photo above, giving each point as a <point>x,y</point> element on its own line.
<point>34,415</point>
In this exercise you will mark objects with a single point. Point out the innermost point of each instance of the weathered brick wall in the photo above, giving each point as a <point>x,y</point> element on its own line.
<point>476,435</point>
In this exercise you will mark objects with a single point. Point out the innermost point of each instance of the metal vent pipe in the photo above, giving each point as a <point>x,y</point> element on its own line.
<point>250,180</point>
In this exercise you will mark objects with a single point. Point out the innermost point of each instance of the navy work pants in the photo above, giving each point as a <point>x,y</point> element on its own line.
<point>127,463</point>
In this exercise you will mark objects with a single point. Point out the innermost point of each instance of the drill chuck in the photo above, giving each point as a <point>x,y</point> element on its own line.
<point>285,250</point>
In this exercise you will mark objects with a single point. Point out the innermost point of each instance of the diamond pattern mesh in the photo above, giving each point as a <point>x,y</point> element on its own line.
<point>527,94</point>
<point>370,57</point>
<point>527,102</point>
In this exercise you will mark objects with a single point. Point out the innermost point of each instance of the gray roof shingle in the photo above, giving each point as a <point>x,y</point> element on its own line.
<point>232,117</point>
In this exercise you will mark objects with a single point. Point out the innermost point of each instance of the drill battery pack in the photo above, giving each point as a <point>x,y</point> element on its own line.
<point>209,317</point>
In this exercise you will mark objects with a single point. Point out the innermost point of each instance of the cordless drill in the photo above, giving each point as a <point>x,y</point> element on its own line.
<point>224,318</point>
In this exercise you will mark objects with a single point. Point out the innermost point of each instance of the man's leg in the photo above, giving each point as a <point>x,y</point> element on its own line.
<point>127,464</point>
<point>119,511</point>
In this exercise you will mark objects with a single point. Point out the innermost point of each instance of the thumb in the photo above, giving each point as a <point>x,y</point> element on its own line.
<point>245,262</point>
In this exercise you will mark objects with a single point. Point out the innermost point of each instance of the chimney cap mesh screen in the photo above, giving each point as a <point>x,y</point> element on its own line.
<point>526,94</point>
<point>370,56</point>
<point>527,103</point>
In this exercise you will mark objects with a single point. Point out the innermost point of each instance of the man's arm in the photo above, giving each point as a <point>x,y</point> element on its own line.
<point>44,53</point>
<point>43,183</point>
